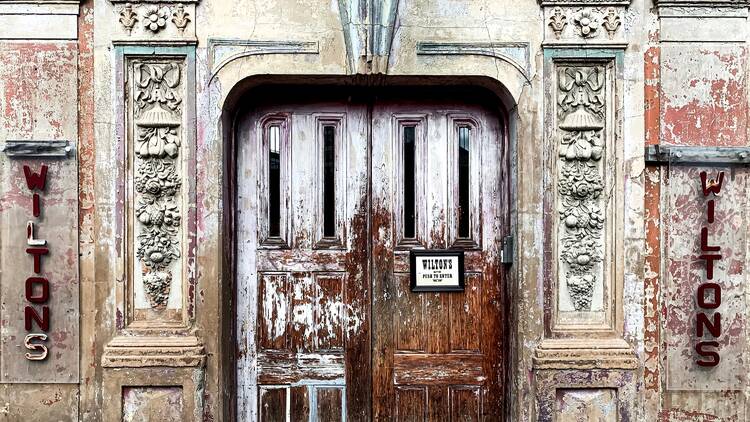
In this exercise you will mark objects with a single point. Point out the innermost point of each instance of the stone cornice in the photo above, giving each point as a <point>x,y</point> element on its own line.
<point>514,53</point>
<point>41,2</point>
<point>135,2</point>
<point>703,3</point>
<point>584,354</point>
<point>39,20</point>
<point>138,352</point>
<point>590,3</point>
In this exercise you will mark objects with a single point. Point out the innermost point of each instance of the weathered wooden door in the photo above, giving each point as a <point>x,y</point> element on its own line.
<point>437,182</point>
<point>302,264</point>
<point>330,199</point>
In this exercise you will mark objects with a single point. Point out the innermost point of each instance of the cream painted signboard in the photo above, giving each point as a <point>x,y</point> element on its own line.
<point>706,246</point>
<point>39,262</point>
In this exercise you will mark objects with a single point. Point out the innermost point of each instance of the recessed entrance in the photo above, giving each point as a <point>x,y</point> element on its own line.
<point>334,187</point>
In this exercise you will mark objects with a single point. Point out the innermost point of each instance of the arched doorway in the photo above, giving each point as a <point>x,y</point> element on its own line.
<point>333,187</point>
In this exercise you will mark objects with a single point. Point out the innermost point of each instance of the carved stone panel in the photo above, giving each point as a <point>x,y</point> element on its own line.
<point>586,404</point>
<point>592,395</point>
<point>152,404</point>
<point>154,22</point>
<point>156,126</point>
<point>584,25</point>
<point>585,201</point>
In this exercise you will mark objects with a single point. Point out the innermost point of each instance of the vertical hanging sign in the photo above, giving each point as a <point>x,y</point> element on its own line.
<point>39,258</point>
<point>705,238</point>
<point>36,289</point>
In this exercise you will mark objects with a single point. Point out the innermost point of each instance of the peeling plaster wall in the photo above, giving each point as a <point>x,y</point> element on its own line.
<point>696,95</point>
<point>39,58</point>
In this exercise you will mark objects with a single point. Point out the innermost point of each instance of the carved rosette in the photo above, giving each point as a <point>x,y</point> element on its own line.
<point>157,112</point>
<point>580,113</point>
<point>588,21</point>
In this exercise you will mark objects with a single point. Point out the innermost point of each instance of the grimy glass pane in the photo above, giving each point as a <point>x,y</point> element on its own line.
<point>463,181</point>
<point>408,178</point>
<point>329,182</point>
<point>274,181</point>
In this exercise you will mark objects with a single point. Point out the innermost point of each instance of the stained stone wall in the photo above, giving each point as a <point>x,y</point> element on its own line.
<point>145,92</point>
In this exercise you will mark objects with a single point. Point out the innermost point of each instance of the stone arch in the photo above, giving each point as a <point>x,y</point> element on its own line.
<point>238,76</point>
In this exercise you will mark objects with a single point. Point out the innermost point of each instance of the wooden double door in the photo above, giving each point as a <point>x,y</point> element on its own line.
<point>331,197</point>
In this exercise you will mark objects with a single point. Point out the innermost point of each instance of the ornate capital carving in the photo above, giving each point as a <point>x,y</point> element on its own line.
<point>155,22</point>
<point>584,25</point>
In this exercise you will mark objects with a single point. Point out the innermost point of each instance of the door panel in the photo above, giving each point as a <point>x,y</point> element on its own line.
<point>303,281</point>
<point>437,356</point>
<point>405,175</point>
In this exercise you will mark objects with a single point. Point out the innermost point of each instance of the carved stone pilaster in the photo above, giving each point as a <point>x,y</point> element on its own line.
<point>155,309</point>
<point>580,109</point>
<point>583,344</point>
<point>585,200</point>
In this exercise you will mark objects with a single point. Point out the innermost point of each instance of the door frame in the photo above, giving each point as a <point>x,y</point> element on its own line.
<point>237,102</point>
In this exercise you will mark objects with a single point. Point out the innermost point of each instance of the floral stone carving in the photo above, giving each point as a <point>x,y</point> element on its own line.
<point>128,17</point>
<point>157,286</point>
<point>157,182</point>
<point>155,18</point>
<point>580,105</point>
<point>588,22</point>
<point>156,84</point>
<point>611,22</point>
<point>180,17</point>
<point>558,21</point>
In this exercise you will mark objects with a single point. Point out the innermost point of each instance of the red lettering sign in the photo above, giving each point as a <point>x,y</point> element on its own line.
<point>37,289</point>
<point>708,295</point>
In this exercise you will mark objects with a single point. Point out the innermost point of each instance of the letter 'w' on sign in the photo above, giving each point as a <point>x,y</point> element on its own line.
<point>711,185</point>
<point>35,180</point>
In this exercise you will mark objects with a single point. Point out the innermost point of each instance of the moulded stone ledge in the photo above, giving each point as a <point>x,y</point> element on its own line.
<point>594,3</point>
<point>139,352</point>
<point>584,354</point>
<point>703,3</point>
<point>154,1</point>
<point>39,20</point>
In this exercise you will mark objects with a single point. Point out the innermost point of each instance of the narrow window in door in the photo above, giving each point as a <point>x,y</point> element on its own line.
<point>464,133</point>
<point>409,185</point>
<point>329,182</point>
<point>274,181</point>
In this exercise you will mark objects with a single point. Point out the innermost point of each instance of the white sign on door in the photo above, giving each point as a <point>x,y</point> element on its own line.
<point>437,271</point>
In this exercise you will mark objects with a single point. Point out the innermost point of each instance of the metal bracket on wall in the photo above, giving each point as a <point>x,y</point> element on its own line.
<point>666,154</point>
<point>506,253</point>
<point>32,149</point>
